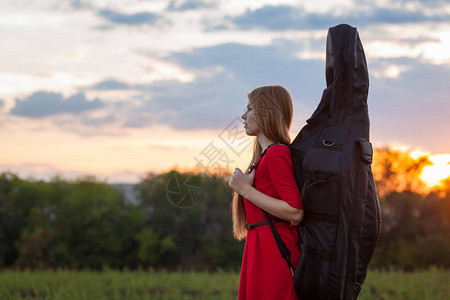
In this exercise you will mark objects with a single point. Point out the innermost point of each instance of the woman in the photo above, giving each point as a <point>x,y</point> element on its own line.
<point>270,185</point>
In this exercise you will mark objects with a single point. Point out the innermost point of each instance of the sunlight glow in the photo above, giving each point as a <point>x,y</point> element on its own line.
<point>439,170</point>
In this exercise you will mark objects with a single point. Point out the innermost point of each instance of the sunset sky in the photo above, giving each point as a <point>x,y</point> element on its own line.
<point>120,88</point>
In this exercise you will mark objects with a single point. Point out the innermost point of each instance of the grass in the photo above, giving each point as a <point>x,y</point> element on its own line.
<point>433,284</point>
<point>117,285</point>
<point>54,285</point>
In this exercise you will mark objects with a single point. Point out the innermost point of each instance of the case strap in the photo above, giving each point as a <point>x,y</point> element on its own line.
<point>266,222</point>
<point>285,253</point>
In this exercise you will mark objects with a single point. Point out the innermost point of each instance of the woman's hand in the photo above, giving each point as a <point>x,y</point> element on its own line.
<point>241,182</point>
<point>243,185</point>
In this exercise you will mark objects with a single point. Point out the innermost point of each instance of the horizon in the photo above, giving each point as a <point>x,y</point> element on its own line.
<point>430,172</point>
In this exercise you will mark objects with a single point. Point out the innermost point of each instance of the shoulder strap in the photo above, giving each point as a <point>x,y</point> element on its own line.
<point>285,253</point>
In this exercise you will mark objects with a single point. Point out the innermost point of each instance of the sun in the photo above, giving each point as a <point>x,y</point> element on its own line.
<point>439,170</point>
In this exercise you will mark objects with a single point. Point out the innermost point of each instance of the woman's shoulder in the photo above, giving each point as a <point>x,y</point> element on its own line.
<point>279,149</point>
<point>277,156</point>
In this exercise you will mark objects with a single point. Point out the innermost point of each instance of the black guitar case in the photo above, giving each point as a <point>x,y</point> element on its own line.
<point>332,159</point>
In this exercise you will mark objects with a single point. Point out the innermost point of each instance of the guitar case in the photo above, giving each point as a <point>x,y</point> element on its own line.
<point>332,159</point>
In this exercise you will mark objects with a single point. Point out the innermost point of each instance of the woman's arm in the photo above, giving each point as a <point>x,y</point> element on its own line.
<point>242,184</point>
<point>275,207</point>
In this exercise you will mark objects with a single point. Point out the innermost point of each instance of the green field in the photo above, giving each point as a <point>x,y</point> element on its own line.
<point>431,284</point>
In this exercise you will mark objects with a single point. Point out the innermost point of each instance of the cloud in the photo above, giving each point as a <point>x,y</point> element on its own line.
<point>284,17</point>
<point>224,75</point>
<point>2,103</point>
<point>80,4</point>
<point>111,84</point>
<point>414,41</point>
<point>396,16</point>
<point>402,3</point>
<point>125,19</point>
<point>271,17</point>
<point>188,5</point>
<point>398,111</point>
<point>184,106</point>
<point>409,109</point>
<point>255,65</point>
<point>98,121</point>
<point>42,104</point>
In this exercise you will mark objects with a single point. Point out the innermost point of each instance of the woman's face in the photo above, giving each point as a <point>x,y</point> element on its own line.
<point>250,125</point>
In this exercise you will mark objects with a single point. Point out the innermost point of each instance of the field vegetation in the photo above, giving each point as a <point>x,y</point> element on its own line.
<point>109,284</point>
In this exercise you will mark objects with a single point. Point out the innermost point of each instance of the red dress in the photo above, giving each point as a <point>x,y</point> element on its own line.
<point>264,273</point>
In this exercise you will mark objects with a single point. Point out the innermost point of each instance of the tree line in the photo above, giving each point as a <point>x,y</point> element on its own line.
<point>90,224</point>
<point>182,221</point>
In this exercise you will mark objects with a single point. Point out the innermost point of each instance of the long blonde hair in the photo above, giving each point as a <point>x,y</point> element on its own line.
<point>273,110</point>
